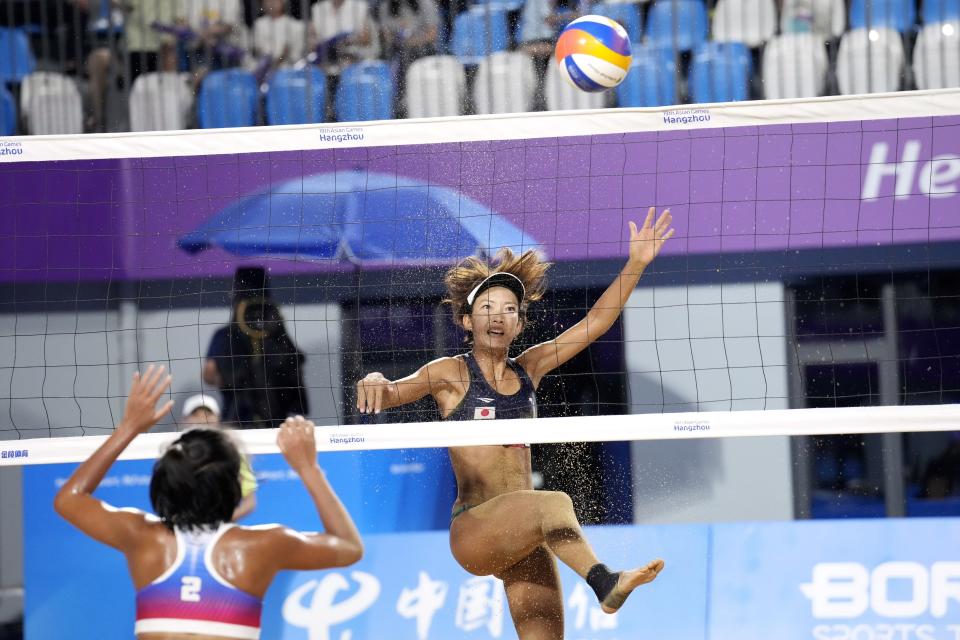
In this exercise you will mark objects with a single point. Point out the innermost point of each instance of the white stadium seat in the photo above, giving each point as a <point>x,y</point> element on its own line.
<point>936,56</point>
<point>751,22</point>
<point>794,66</point>
<point>561,95</point>
<point>51,104</point>
<point>436,86</point>
<point>160,102</point>
<point>505,83</point>
<point>870,61</point>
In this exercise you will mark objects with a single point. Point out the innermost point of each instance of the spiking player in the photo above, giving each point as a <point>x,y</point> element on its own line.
<point>499,525</point>
<point>198,576</point>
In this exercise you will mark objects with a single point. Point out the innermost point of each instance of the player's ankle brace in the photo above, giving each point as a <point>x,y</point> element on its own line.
<point>602,580</point>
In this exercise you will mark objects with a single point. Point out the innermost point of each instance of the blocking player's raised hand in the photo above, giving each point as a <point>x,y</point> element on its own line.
<point>140,412</point>
<point>297,442</point>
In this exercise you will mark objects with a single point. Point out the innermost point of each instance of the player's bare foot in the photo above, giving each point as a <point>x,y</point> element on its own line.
<point>627,582</point>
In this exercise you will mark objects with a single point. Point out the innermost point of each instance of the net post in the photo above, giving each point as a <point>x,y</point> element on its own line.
<point>891,444</point>
<point>802,477</point>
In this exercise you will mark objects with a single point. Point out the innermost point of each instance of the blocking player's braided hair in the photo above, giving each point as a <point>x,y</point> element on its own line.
<point>195,483</point>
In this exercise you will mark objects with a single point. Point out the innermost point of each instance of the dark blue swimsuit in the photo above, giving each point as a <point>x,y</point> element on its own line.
<point>481,402</point>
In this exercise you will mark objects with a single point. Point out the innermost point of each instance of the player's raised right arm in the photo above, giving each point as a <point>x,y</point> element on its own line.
<point>376,393</point>
<point>118,528</point>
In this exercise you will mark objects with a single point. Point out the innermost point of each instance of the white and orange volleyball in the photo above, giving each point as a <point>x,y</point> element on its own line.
<point>593,53</point>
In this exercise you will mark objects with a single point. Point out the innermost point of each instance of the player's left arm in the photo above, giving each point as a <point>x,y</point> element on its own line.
<point>645,244</point>
<point>118,528</point>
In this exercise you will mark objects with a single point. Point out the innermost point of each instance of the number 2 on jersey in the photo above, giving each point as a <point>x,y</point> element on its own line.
<point>190,589</point>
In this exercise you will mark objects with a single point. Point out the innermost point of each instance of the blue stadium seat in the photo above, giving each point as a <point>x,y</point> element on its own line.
<point>626,13</point>
<point>297,96</point>
<point>941,11</point>
<point>16,58</point>
<point>651,81</point>
<point>8,113</point>
<point>691,24</point>
<point>899,15</point>
<point>228,98</point>
<point>365,92</point>
<point>720,72</point>
<point>479,32</point>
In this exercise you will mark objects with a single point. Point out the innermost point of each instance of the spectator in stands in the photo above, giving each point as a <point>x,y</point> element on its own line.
<point>278,38</point>
<point>147,49</point>
<point>68,24</point>
<point>88,31</point>
<point>449,10</point>
<point>540,23</point>
<point>342,32</point>
<point>253,9</point>
<point>825,18</point>
<point>253,360</point>
<point>410,29</point>
<point>150,49</point>
<point>79,33</point>
<point>216,34</point>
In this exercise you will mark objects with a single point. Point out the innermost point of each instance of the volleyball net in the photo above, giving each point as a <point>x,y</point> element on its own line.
<point>810,287</point>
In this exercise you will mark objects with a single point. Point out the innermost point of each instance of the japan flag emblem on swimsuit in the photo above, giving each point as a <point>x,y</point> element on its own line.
<point>484,413</point>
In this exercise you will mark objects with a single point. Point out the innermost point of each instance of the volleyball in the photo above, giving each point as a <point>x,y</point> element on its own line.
<point>593,53</point>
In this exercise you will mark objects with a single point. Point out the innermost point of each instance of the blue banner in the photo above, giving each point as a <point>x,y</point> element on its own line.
<point>409,586</point>
<point>852,580</point>
<point>837,580</point>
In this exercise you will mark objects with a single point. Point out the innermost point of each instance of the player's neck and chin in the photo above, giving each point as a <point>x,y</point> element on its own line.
<point>496,352</point>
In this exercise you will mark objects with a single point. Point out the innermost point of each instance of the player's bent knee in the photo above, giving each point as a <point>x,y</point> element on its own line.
<point>559,501</point>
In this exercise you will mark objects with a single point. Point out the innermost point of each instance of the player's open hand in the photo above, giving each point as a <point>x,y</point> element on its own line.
<point>297,442</point>
<point>646,242</point>
<point>140,412</point>
<point>370,392</point>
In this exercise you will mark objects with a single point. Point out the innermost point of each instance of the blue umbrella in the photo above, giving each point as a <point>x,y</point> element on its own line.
<point>358,216</point>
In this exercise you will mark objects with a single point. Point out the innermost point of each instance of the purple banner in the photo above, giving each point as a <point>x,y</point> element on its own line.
<point>735,189</point>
